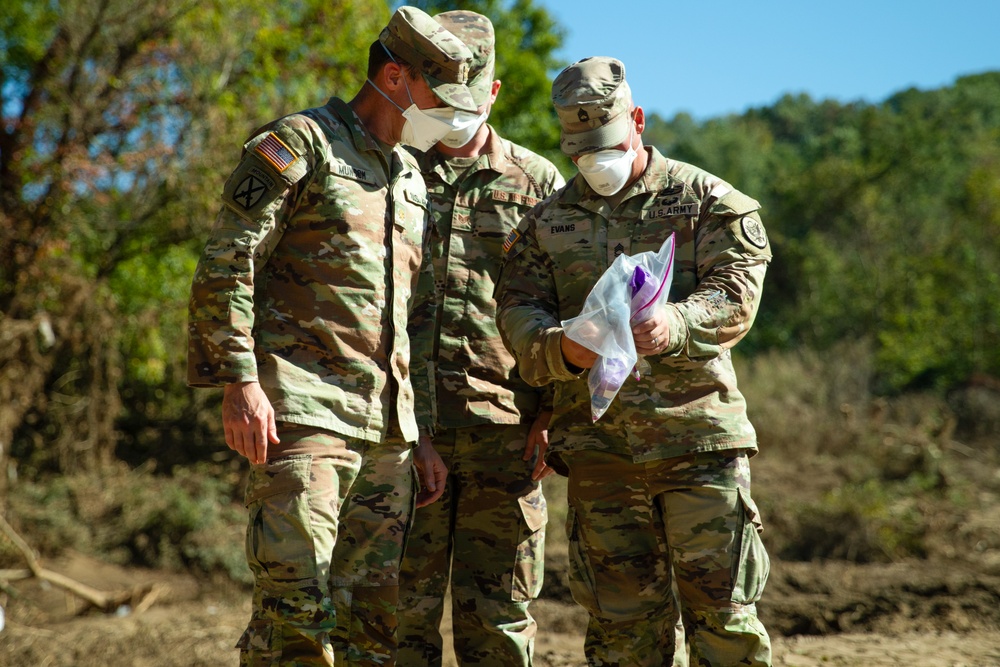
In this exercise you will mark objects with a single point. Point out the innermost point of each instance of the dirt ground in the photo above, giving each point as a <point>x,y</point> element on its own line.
<point>914,614</point>
<point>942,610</point>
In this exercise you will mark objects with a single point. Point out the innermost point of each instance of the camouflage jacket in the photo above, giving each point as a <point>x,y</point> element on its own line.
<point>309,274</point>
<point>689,401</point>
<point>470,378</point>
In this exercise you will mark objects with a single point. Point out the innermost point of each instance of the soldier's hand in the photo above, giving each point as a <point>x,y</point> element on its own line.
<point>538,442</point>
<point>248,420</point>
<point>432,473</point>
<point>576,354</point>
<point>652,335</point>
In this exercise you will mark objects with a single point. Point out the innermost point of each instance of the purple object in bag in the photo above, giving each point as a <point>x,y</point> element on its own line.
<point>645,289</point>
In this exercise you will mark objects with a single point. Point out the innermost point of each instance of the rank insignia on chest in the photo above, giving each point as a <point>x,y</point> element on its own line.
<point>511,239</point>
<point>275,151</point>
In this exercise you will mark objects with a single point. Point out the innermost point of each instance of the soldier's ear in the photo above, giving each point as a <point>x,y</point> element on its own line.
<point>392,77</point>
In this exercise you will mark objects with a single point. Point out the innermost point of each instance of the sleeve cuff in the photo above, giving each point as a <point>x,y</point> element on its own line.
<point>677,328</point>
<point>558,366</point>
<point>217,357</point>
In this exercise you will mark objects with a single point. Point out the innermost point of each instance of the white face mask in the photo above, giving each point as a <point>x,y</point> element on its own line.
<point>425,127</point>
<point>607,171</point>
<point>466,125</point>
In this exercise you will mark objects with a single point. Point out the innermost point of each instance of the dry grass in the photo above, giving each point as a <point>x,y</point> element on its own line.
<point>841,475</point>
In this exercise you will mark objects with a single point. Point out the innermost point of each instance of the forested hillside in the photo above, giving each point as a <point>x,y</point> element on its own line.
<point>884,220</point>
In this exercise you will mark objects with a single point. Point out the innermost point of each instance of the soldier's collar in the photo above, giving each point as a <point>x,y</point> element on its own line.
<point>362,137</point>
<point>495,158</point>
<point>655,178</point>
<point>494,151</point>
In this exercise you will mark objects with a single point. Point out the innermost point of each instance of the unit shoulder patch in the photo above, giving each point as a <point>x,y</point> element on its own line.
<point>748,232</point>
<point>753,231</point>
<point>252,188</point>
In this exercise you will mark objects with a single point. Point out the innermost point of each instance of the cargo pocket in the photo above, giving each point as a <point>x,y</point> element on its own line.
<point>581,576</point>
<point>279,533</point>
<point>529,563</point>
<point>256,645</point>
<point>751,569</point>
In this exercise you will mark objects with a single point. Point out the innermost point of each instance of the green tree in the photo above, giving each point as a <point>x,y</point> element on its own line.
<point>120,120</point>
<point>883,220</point>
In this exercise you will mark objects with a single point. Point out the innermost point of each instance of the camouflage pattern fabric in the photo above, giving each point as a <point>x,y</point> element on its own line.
<point>626,520</point>
<point>488,530</point>
<point>327,519</point>
<point>592,100</point>
<point>308,277</point>
<point>469,377</point>
<point>442,58</point>
<point>305,285</point>
<point>689,401</point>
<point>476,32</point>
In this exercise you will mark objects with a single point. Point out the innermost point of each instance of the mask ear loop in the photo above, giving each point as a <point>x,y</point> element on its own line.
<point>405,85</point>
<point>380,92</point>
<point>631,131</point>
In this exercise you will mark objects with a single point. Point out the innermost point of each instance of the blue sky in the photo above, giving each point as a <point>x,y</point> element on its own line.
<point>709,58</point>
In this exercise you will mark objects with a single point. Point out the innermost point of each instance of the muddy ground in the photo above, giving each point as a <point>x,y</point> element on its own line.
<point>910,613</point>
<point>938,610</point>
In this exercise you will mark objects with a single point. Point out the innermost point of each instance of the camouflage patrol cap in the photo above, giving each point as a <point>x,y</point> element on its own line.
<point>592,100</point>
<point>476,31</point>
<point>440,56</point>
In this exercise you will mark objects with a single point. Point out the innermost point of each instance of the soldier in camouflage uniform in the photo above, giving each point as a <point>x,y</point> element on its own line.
<point>298,309</point>
<point>661,483</point>
<point>486,534</point>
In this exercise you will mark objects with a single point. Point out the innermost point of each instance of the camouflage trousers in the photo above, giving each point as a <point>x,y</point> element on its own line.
<point>327,522</point>
<point>488,532</point>
<point>634,526</point>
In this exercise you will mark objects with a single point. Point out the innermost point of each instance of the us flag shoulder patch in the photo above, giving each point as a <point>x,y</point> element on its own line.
<point>276,152</point>
<point>511,239</point>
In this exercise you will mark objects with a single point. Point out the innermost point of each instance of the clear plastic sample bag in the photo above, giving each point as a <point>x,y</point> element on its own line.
<point>628,292</point>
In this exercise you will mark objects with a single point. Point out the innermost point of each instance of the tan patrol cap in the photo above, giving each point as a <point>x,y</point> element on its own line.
<point>592,100</point>
<point>440,56</point>
<point>476,32</point>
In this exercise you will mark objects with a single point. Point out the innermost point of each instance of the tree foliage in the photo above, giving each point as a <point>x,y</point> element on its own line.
<point>120,120</point>
<point>883,219</point>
